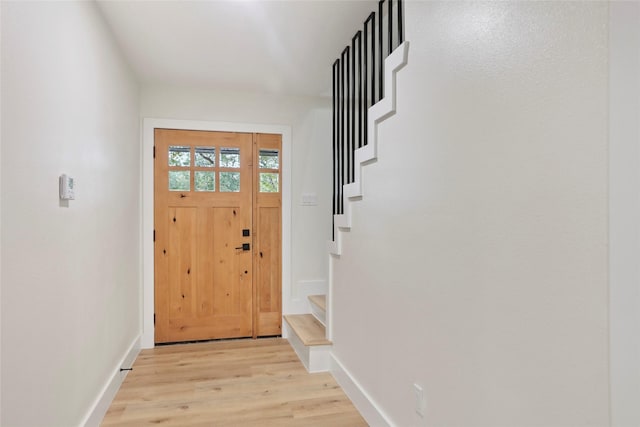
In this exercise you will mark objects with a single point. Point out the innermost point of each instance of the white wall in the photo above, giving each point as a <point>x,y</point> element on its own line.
<point>624,211</point>
<point>310,121</point>
<point>70,274</point>
<point>1,60</point>
<point>477,263</point>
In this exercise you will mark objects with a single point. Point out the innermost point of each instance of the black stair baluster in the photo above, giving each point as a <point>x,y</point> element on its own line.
<point>381,52</point>
<point>400,26</point>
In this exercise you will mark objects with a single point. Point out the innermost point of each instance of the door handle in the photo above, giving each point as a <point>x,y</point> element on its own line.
<point>245,247</point>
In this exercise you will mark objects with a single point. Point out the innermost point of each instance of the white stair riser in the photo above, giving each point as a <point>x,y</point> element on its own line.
<point>319,313</point>
<point>315,358</point>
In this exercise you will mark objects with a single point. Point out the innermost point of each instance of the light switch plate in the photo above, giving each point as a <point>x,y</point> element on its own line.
<point>309,199</point>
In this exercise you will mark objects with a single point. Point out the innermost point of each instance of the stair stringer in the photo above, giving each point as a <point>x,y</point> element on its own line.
<point>378,112</point>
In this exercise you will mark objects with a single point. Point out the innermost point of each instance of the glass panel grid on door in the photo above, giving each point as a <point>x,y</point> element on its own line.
<point>200,169</point>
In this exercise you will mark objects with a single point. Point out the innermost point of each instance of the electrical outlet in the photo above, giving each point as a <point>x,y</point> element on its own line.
<point>421,403</point>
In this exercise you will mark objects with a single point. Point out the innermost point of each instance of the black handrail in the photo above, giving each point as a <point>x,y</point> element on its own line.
<point>358,83</point>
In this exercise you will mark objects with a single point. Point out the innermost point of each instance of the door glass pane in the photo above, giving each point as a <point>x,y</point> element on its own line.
<point>206,157</point>
<point>269,182</point>
<point>230,181</point>
<point>179,180</point>
<point>179,156</point>
<point>229,158</point>
<point>269,159</point>
<point>204,181</point>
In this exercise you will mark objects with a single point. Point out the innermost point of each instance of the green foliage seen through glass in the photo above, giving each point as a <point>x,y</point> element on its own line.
<point>269,159</point>
<point>179,180</point>
<point>205,157</point>
<point>179,156</point>
<point>229,157</point>
<point>205,181</point>
<point>230,182</point>
<point>269,182</point>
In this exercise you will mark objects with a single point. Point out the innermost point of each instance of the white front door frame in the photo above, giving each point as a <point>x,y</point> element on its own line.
<point>148,126</point>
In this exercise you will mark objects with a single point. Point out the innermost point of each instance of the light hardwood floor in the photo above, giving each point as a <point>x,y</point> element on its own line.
<point>229,383</point>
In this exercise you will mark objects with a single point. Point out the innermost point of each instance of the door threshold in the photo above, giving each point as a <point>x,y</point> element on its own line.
<point>164,344</point>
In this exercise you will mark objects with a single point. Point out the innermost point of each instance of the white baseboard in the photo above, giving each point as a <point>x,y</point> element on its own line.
<point>372,414</point>
<point>101,405</point>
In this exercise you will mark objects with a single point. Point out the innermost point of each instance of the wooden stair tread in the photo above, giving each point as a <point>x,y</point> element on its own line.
<point>308,329</point>
<point>319,300</point>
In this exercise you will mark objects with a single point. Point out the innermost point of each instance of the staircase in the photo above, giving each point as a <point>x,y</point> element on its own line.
<point>364,95</point>
<point>352,192</point>
<point>307,335</point>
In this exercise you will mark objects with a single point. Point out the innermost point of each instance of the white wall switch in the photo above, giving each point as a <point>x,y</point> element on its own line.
<point>309,199</point>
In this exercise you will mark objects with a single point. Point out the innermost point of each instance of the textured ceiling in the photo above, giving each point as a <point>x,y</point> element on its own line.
<point>284,47</point>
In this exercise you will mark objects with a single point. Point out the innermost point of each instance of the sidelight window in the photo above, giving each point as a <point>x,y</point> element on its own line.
<point>269,175</point>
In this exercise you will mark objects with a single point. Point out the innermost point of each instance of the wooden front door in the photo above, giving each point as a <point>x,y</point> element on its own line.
<point>205,190</point>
